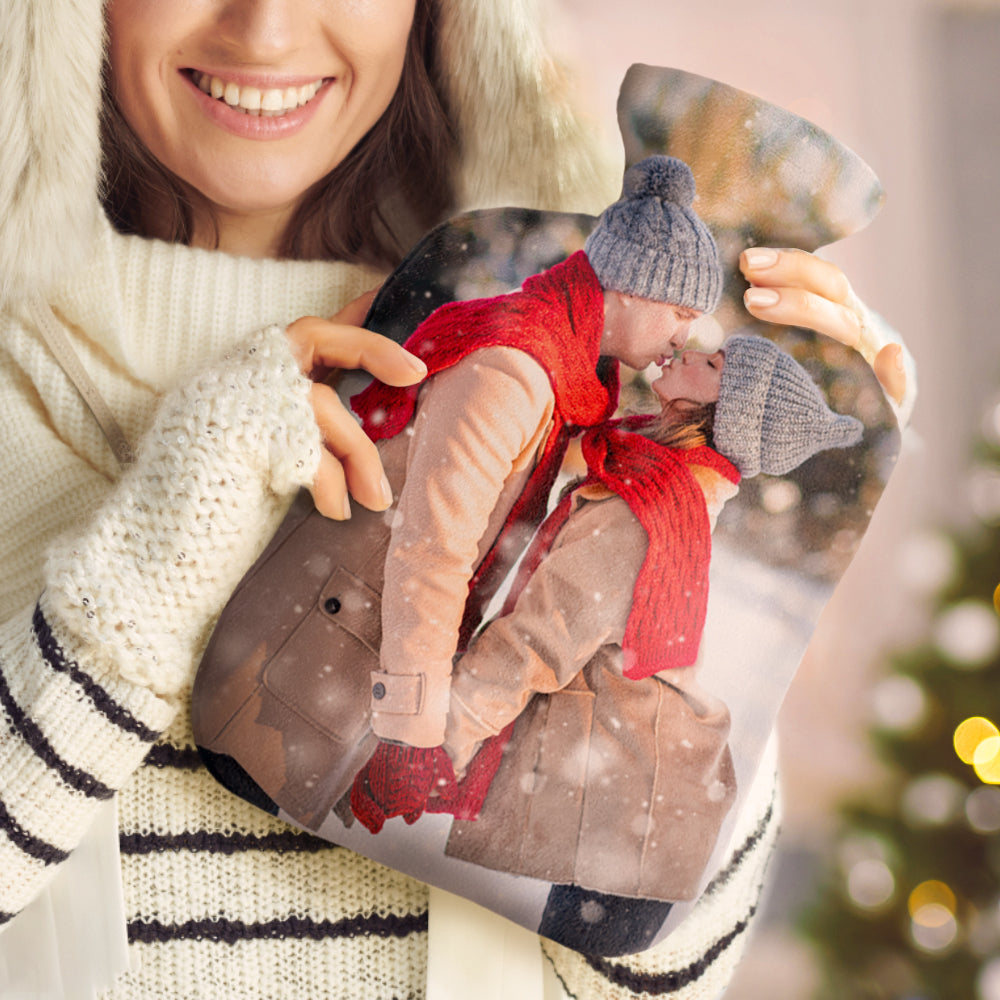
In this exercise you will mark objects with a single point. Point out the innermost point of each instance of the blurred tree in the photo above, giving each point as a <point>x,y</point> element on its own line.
<point>909,907</point>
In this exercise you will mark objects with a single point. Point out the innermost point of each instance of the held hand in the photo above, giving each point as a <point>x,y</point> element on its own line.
<point>799,289</point>
<point>398,780</point>
<point>350,462</point>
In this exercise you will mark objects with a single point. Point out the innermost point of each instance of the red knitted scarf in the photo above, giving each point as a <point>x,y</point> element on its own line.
<point>670,597</point>
<point>671,594</point>
<point>558,319</point>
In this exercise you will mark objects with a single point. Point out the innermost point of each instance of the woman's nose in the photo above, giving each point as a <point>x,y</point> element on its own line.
<point>260,29</point>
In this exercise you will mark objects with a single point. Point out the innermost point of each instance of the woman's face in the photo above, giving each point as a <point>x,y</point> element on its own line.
<point>692,375</point>
<point>251,102</point>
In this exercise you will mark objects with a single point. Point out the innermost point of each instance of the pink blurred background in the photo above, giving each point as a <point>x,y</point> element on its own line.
<point>911,85</point>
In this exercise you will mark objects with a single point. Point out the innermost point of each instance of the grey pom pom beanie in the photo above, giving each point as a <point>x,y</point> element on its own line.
<point>652,244</point>
<point>771,416</point>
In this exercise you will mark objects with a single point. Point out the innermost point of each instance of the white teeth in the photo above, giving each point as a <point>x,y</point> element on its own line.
<point>249,99</point>
<point>272,100</point>
<point>270,103</point>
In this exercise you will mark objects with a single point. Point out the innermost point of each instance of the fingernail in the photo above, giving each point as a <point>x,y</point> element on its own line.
<point>415,363</point>
<point>386,490</point>
<point>761,298</point>
<point>757,258</point>
<point>347,507</point>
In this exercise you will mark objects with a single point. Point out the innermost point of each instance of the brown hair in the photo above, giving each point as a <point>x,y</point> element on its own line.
<point>399,179</point>
<point>683,424</point>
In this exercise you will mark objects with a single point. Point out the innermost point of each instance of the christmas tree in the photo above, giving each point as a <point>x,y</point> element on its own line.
<point>909,908</point>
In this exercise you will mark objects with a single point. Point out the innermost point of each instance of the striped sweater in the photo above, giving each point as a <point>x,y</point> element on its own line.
<point>97,647</point>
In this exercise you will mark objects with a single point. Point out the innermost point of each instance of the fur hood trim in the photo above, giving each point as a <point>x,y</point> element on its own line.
<point>522,142</point>
<point>50,72</point>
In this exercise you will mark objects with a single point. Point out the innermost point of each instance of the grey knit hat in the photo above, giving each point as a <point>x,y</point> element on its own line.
<point>651,244</point>
<point>771,416</point>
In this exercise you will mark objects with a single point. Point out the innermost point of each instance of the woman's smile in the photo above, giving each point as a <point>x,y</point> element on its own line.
<point>257,107</point>
<point>252,103</point>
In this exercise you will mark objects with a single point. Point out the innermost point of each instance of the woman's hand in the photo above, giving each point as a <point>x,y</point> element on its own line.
<point>799,289</point>
<point>350,462</point>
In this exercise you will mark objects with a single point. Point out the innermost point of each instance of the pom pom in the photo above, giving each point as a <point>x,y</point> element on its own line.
<point>660,177</point>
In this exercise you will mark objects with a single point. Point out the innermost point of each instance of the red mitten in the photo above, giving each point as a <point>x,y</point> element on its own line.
<point>465,798</point>
<point>397,781</point>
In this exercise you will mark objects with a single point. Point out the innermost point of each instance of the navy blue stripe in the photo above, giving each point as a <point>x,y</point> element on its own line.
<point>283,842</point>
<point>226,931</point>
<point>725,874</point>
<point>102,701</point>
<point>74,777</point>
<point>27,843</point>
<point>665,983</point>
<point>166,755</point>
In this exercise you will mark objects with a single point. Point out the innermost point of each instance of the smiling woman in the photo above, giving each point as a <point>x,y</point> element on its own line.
<point>241,114</point>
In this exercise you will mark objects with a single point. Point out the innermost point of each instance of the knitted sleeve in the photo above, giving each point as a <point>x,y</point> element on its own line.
<point>92,672</point>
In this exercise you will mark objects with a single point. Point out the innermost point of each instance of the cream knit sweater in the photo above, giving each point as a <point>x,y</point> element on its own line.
<point>109,586</point>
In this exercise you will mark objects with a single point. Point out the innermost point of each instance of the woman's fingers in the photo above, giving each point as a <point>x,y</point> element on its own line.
<point>769,268</point>
<point>799,289</point>
<point>350,462</point>
<point>799,307</point>
<point>890,371</point>
<point>325,344</point>
<point>796,288</point>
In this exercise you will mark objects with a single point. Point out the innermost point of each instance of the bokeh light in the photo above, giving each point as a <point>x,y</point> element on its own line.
<point>927,561</point>
<point>778,496</point>
<point>931,893</point>
<point>988,981</point>
<point>899,703</point>
<point>970,734</point>
<point>982,809</point>
<point>987,761</point>
<point>932,906</point>
<point>932,800</point>
<point>870,884</point>
<point>933,928</point>
<point>968,633</point>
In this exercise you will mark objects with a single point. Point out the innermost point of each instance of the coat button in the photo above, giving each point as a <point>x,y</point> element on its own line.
<point>378,691</point>
<point>331,605</point>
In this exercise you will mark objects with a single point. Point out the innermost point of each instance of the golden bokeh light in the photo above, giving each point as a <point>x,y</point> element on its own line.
<point>987,761</point>
<point>970,735</point>
<point>927,901</point>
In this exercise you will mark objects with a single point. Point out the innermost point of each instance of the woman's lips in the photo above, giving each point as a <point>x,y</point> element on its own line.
<point>250,109</point>
<point>268,102</point>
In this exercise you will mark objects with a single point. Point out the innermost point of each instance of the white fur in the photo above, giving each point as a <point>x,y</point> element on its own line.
<point>50,65</point>
<point>522,143</point>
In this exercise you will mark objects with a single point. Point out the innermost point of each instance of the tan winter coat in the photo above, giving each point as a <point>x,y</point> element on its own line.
<point>305,735</point>
<point>618,785</point>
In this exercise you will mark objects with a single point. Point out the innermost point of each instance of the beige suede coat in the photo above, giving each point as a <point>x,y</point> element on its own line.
<point>618,785</point>
<point>304,735</point>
